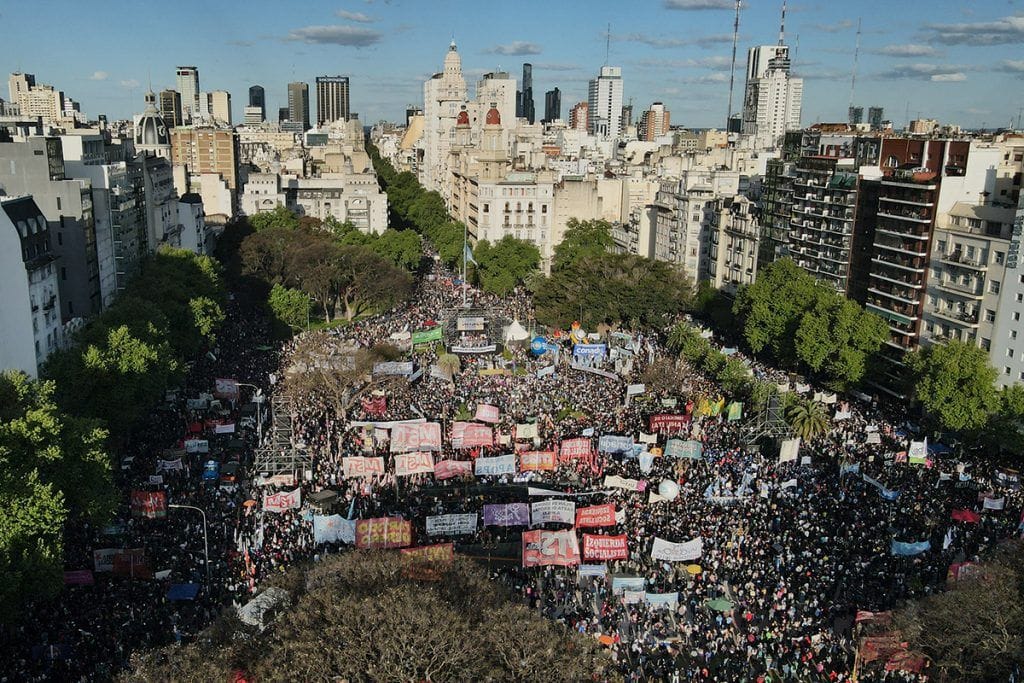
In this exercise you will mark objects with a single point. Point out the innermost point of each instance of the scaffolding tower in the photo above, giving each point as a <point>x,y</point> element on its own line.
<point>768,423</point>
<point>279,454</point>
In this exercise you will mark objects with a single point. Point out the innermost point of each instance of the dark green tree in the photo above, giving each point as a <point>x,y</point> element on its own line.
<point>582,239</point>
<point>280,217</point>
<point>505,264</point>
<point>403,248</point>
<point>290,306</point>
<point>955,384</point>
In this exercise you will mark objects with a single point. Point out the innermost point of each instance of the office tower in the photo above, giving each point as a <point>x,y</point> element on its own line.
<point>188,86</point>
<point>19,85</point>
<point>604,105</point>
<point>331,99</point>
<point>772,97</point>
<point>252,116</point>
<point>220,106</point>
<point>298,104</point>
<point>207,150</point>
<point>579,116</point>
<point>626,117</point>
<point>654,122</point>
<point>552,105</point>
<point>282,114</point>
<point>411,111</point>
<point>875,116</point>
<point>170,108</point>
<point>258,98</point>
<point>444,94</point>
<point>855,115</point>
<point>527,110</point>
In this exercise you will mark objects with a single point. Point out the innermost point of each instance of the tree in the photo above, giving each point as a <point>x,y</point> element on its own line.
<point>53,467</point>
<point>365,280</point>
<point>290,306</point>
<point>449,363</point>
<point>836,338</point>
<point>1005,429</point>
<point>280,217</point>
<point>505,264</point>
<point>402,248</point>
<point>456,626</point>
<point>955,384</point>
<point>807,418</point>
<point>582,239</point>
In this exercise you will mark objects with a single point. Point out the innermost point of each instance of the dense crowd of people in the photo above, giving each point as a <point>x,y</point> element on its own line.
<point>791,548</point>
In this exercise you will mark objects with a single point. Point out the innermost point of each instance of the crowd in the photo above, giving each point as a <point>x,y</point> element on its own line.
<point>790,551</point>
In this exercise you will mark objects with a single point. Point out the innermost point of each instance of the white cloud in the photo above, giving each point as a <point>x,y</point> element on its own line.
<point>1003,31</point>
<point>99,76</point>
<point>130,83</point>
<point>355,16</point>
<point>348,36</point>
<point>516,47</point>
<point>907,50</point>
<point>699,4</point>
<point>948,78</point>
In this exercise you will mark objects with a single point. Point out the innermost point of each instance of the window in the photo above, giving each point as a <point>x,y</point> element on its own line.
<point>940,246</point>
<point>986,344</point>
<point>544,209</point>
<point>487,208</point>
<point>990,315</point>
<point>993,286</point>
<point>58,204</point>
<point>999,257</point>
<point>1020,297</point>
<point>970,252</point>
<point>1009,353</point>
<point>1016,316</point>
<point>1013,334</point>
<point>1006,371</point>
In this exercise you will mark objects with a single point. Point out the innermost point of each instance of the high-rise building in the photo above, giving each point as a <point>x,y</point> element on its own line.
<point>444,94</point>
<point>772,98</point>
<point>220,106</point>
<point>331,99</point>
<point>524,98</point>
<point>579,117</point>
<point>19,84</point>
<point>875,116</point>
<point>604,105</point>
<point>188,86</point>
<point>552,105</point>
<point>252,116</point>
<point>298,104</point>
<point>170,108</point>
<point>855,115</point>
<point>654,122</point>
<point>207,150</point>
<point>258,98</point>
<point>411,111</point>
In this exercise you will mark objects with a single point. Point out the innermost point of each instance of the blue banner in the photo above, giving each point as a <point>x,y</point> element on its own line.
<point>611,443</point>
<point>590,350</point>
<point>901,548</point>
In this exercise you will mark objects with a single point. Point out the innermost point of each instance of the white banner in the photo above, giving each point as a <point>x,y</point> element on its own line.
<point>648,438</point>
<point>526,431</point>
<point>613,482</point>
<point>197,446</point>
<point>994,503</point>
<point>407,464</point>
<point>502,464</point>
<point>790,450</point>
<point>544,511</point>
<point>546,370</point>
<point>677,552</point>
<point>359,466</point>
<point>451,524</point>
<point>425,436</point>
<point>224,429</point>
<point>333,528</point>
<point>635,389</point>
<point>279,502</point>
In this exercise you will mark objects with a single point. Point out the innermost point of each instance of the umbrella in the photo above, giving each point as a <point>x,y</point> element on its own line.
<point>694,569</point>
<point>719,605</point>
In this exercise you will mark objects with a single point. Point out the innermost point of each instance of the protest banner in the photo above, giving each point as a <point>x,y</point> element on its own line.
<point>536,461</point>
<point>225,388</point>
<point>596,516</point>
<point>994,503</point>
<point>469,435</point>
<point>526,431</point>
<point>197,446</point>
<point>546,371</point>
<point>452,524</point>
<point>735,411</point>
<point>501,464</point>
<point>677,552</point>
<point>901,548</point>
<point>677,448</point>
<point>543,548</point>
<point>632,597</point>
<point>393,368</point>
<point>426,336</point>
<point>589,350</point>
<point>635,389</point>
<point>425,436</point>
<point>968,516</point>
<point>470,323</point>
<point>789,450</point>
<point>597,547</point>
<point>360,466</point>
<point>439,552</point>
<point>149,504</point>
<point>507,514</point>
<point>487,413</point>
<point>333,529</point>
<point>446,469</point>
<point>592,570</point>
<point>103,559</point>
<point>611,443</point>
<point>383,532</point>
<point>662,600</point>
<point>623,582</point>
<point>375,405</point>
<point>614,482</point>
<point>552,511</point>
<point>285,500</point>
<point>407,464</point>
<point>668,423</point>
<point>169,465</point>
<point>224,428</point>
<point>132,563</point>
<point>156,479</point>
<point>574,449</point>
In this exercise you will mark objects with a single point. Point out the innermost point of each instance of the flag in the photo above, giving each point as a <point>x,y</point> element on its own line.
<point>468,255</point>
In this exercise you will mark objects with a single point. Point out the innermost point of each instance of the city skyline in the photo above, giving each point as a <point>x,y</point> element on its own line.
<point>946,65</point>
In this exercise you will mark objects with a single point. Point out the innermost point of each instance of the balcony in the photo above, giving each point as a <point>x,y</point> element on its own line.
<point>901,231</point>
<point>896,262</point>
<point>905,296</point>
<point>905,215</point>
<point>893,279</point>
<point>908,199</point>
<point>958,259</point>
<point>966,319</point>
<point>972,290</point>
<point>899,246</point>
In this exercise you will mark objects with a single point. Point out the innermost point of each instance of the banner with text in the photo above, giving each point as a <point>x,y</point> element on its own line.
<point>469,435</point>
<point>333,529</point>
<point>534,461</point>
<point>597,547</point>
<point>285,500</point>
<point>486,413</point>
<point>596,516</point>
<point>547,511</point>
<point>446,469</point>
<point>677,552</point>
<point>407,464</point>
<point>425,436</point>
<point>542,548</point>
<point>383,532</point>
<point>507,514</point>
<point>611,443</point>
<point>502,464</point>
<point>359,466</point>
<point>451,524</point>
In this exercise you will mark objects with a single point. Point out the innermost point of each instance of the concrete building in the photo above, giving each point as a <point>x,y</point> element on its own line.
<point>298,104</point>
<point>604,104</point>
<point>188,86</point>
<point>772,97</point>
<point>252,116</point>
<point>524,98</point>
<point>654,122</point>
<point>444,94</point>
<point>496,90</point>
<point>552,105</point>
<point>1005,350</point>
<point>922,126</point>
<point>170,108</point>
<point>258,99</point>
<point>875,117</point>
<point>151,136</point>
<point>30,321</point>
<point>579,116</point>
<point>346,197</point>
<point>220,107</point>
<point>332,99</point>
<point>734,236</point>
<point>204,149</point>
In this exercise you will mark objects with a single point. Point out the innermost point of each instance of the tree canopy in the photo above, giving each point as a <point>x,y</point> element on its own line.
<point>505,264</point>
<point>359,616</point>
<point>955,384</point>
<point>582,239</point>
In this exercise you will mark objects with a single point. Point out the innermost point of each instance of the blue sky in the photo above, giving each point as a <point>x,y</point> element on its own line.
<point>959,62</point>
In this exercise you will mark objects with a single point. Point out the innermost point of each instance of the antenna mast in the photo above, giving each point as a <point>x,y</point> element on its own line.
<point>607,44</point>
<point>732,71</point>
<point>782,25</point>
<point>856,54</point>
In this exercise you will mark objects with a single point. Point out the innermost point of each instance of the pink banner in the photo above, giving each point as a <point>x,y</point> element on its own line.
<point>574,449</point>
<point>597,547</point>
<point>446,469</point>
<point>537,460</point>
<point>468,435</point>
<point>285,500</point>
<point>79,577</point>
<point>542,548</point>
<point>486,413</point>
<point>596,515</point>
<point>664,422</point>
<point>425,436</point>
<point>413,463</point>
<point>383,532</point>
<point>362,467</point>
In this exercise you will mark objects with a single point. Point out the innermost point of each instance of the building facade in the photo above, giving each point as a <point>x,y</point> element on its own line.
<point>188,86</point>
<point>298,104</point>
<point>332,99</point>
<point>604,104</point>
<point>772,98</point>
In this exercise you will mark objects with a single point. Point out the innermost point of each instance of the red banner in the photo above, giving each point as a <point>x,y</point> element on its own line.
<point>541,548</point>
<point>536,461</point>
<point>486,413</point>
<point>665,422</point>
<point>966,516</point>
<point>597,547</point>
<point>133,564</point>
<point>377,405</point>
<point>150,504</point>
<point>446,469</point>
<point>596,515</point>
<point>575,449</point>
<point>383,532</point>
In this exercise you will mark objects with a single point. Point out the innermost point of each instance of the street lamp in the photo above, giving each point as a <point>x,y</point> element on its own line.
<point>206,544</point>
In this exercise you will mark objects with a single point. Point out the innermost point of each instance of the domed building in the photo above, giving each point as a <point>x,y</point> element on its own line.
<point>151,135</point>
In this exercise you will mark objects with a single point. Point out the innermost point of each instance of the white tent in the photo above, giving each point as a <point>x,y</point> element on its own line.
<point>516,332</point>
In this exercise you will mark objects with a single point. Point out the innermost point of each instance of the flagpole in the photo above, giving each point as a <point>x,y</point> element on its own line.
<point>465,245</point>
